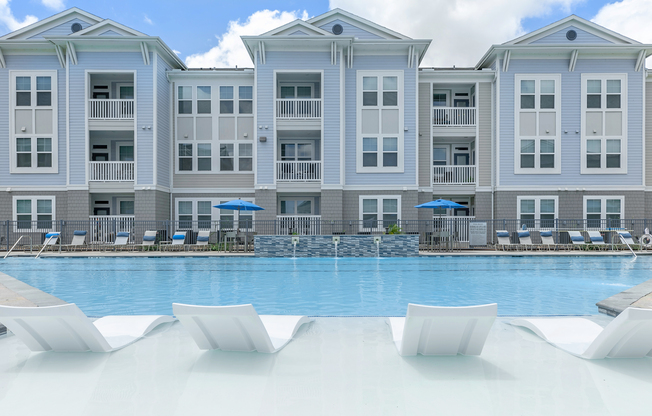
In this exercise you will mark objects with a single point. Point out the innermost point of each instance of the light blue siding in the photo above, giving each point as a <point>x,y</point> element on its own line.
<point>582,37</point>
<point>110,33</point>
<point>297,61</point>
<point>24,62</point>
<point>144,109</point>
<point>298,33</point>
<point>350,30</point>
<point>408,177</point>
<point>164,103</point>
<point>61,30</point>
<point>571,122</point>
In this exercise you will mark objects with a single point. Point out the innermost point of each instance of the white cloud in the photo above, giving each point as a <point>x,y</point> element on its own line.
<point>54,4</point>
<point>631,18</point>
<point>148,20</point>
<point>461,31</point>
<point>7,18</point>
<point>230,50</point>
<point>176,52</point>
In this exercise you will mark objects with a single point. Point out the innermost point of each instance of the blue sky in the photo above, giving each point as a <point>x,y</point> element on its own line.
<point>195,26</point>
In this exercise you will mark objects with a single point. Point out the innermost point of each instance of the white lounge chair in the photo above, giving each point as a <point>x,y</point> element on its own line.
<point>524,240</point>
<point>51,240</point>
<point>178,241</point>
<point>121,240</point>
<point>65,328</point>
<point>237,328</point>
<point>503,239</point>
<point>202,240</point>
<point>629,335</point>
<point>597,239</point>
<point>577,239</point>
<point>78,240</point>
<point>547,240</point>
<point>626,238</point>
<point>149,240</point>
<point>437,330</point>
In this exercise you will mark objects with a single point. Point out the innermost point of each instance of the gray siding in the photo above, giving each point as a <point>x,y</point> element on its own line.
<point>483,141</point>
<point>582,37</point>
<point>349,30</point>
<point>61,30</point>
<point>164,136</point>
<point>25,62</point>
<point>571,122</point>
<point>144,109</point>
<point>398,62</point>
<point>425,138</point>
<point>648,133</point>
<point>331,110</point>
<point>222,180</point>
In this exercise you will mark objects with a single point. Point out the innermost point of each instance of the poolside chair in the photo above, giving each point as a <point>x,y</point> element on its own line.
<point>597,239</point>
<point>178,241</point>
<point>121,240</point>
<point>50,241</point>
<point>629,335</point>
<point>78,240</point>
<point>524,240</point>
<point>626,238</point>
<point>437,330</point>
<point>202,240</point>
<point>65,328</point>
<point>237,328</point>
<point>503,239</point>
<point>548,241</point>
<point>577,239</point>
<point>149,240</point>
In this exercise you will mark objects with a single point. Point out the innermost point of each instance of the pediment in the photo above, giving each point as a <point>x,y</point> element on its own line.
<point>61,24</point>
<point>353,25</point>
<point>110,27</point>
<point>291,29</point>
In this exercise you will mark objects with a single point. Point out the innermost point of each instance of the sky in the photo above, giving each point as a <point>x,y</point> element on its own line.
<point>206,33</point>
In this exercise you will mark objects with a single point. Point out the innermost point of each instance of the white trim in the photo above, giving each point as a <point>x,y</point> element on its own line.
<point>585,135</point>
<point>379,208</point>
<point>571,188</point>
<point>34,213</point>
<point>212,191</point>
<point>154,119</point>
<point>342,120</point>
<point>537,111</point>
<point>68,124</point>
<point>603,204</point>
<point>54,21</point>
<point>537,207</point>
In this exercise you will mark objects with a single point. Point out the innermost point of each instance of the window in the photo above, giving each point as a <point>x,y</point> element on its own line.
<point>185,214</point>
<point>379,212</point>
<point>245,103</point>
<point>440,99</point>
<point>195,157</point>
<point>236,157</point>
<point>194,214</point>
<point>33,213</point>
<point>538,212</point>
<point>204,156</point>
<point>439,156</point>
<point>537,132</point>
<point>203,100</point>
<point>185,100</point>
<point>604,127</point>
<point>245,157</point>
<point>380,121</point>
<point>185,157</point>
<point>226,100</point>
<point>227,157</point>
<point>603,212</point>
<point>126,207</point>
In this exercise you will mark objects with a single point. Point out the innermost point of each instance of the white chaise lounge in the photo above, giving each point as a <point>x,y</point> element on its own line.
<point>237,328</point>
<point>629,335</point>
<point>437,330</point>
<point>65,328</point>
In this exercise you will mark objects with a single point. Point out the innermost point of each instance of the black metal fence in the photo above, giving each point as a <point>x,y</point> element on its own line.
<point>439,233</point>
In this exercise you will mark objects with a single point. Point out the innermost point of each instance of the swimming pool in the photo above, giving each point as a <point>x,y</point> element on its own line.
<point>332,287</point>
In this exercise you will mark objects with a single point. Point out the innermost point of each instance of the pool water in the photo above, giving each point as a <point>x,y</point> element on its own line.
<point>332,287</point>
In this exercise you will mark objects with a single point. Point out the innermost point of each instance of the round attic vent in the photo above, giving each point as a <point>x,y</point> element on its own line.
<point>571,35</point>
<point>337,29</point>
<point>76,27</point>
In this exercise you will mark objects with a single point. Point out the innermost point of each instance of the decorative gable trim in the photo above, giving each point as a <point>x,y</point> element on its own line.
<point>50,22</point>
<point>106,25</point>
<point>357,21</point>
<point>298,24</point>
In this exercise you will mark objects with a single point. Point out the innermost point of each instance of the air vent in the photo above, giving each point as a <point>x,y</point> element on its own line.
<point>76,27</point>
<point>337,29</point>
<point>571,35</point>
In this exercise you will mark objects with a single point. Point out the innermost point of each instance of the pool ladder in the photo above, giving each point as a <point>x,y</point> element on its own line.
<point>18,241</point>
<point>622,239</point>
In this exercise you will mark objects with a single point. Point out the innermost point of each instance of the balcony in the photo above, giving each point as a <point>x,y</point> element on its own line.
<point>111,109</point>
<point>298,224</point>
<point>454,175</point>
<point>453,117</point>
<point>111,171</point>
<point>293,171</point>
<point>298,108</point>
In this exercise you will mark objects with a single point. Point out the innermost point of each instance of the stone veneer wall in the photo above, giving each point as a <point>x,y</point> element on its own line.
<point>395,245</point>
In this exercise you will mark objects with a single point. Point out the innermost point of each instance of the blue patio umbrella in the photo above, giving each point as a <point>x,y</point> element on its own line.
<point>440,203</point>
<point>239,205</point>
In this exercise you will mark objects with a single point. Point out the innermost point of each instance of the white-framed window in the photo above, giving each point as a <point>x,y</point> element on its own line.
<point>297,206</point>
<point>226,99</point>
<point>33,143</point>
<point>236,157</point>
<point>604,124</point>
<point>537,124</point>
<point>603,212</point>
<point>195,157</point>
<point>379,121</point>
<point>538,212</point>
<point>245,99</point>
<point>440,155</point>
<point>36,213</point>
<point>203,99</point>
<point>184,98</point>
<point>440,98</point>
<point>199,214</point>
<point>126,206</point>
<point>379,212</point>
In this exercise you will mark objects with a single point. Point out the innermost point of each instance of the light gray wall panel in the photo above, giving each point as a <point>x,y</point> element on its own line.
<point>163,133</point>
<point>388,62</point>
<point>425,138</point>
<point>298,33</point>
<point>349,30</point>
<point>110,33</point>
<point>648,134</point>
<point>571,122</point>
<point>582,37</point>
<point>37,62</point>
<point>483,141</point>
<point>64,29</point>
<point>221,180</point>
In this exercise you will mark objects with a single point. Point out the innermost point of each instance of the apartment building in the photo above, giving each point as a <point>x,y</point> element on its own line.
<point>334,121</point>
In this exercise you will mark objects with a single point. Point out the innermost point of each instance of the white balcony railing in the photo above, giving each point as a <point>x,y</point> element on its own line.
<point>453,117</point>
<point>298,108</point>
<point>456,226</point>
<point>454,175</point>
<point>298,224</point>
<point>110,109</point>
<point>307,171</point>
<point>111,171</point>
<point>104,228</point>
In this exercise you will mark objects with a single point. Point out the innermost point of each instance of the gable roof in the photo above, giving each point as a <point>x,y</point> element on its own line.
<point>48,23</point>
<point>106,25</point>
<point>575,21</point>
<point>356,21</point>
<point>295,25</point>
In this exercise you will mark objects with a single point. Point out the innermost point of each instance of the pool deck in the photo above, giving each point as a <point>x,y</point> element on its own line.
<point>334,366</point>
